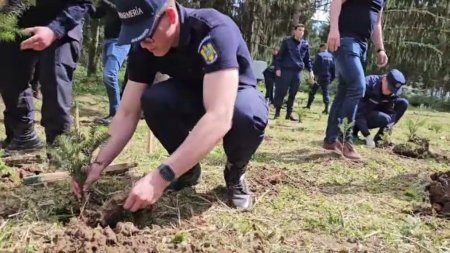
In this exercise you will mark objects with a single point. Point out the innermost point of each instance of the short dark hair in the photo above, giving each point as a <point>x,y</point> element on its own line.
<point>298,25</point>
<point>323,45</point>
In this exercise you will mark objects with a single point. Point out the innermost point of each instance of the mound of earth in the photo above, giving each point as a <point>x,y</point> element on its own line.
<point>439,190</point>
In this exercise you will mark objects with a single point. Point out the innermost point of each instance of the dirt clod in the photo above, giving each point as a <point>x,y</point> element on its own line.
<point>439,190</point>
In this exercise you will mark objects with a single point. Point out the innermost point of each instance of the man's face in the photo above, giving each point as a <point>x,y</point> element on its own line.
<point>299,32</point>
<point>162,39</point>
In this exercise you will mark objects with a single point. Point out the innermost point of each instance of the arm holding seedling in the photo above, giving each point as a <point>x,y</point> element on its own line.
<point>121,130</point>
<point>219,92</point>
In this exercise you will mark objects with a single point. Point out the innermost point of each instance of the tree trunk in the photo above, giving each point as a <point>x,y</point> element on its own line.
<point>93,47</point>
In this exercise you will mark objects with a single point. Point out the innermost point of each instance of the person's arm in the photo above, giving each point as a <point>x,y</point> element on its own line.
<point>377,40</point>
<point>307,59</point>
<point>70,17</point>
<point>281,53</point>
<point>334,38</point>
<point>99,11</point>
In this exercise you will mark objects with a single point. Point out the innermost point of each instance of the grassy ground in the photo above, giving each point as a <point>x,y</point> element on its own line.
<point>306,200</point>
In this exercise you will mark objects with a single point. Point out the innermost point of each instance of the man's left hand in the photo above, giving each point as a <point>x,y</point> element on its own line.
<point>42,37</point>
<point>146,192</point>
<point>382,59</point>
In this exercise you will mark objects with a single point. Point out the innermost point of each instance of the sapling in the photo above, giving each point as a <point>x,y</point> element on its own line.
<point>346,128</point>
<point>74,150</point>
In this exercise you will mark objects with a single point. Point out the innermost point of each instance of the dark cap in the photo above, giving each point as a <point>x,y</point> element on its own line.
<point>139,18</point>
<point>396,80</point>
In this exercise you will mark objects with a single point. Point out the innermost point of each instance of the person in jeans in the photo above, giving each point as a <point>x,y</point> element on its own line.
<point>353,23</point>
<point>113,55</point>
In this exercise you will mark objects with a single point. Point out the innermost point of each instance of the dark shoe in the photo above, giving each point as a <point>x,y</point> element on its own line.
<point>31,144</point>
<point>277,113</point>
<point>307,107</point>
<point>349,152</point>
<point>188,179</point>
<point>335,147</point>
<point>290,117</point>
<point>105,121</point>
<point>325,112</point>
<point>239,195</point>
<point>5,143</point>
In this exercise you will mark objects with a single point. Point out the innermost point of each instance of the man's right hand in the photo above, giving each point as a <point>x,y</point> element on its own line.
<point>94,174</point>
<point>278,72</point>
<point>334,40</point>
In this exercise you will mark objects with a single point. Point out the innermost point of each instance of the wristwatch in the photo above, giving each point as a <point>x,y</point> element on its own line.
<point>166,172</point>
<point>381,49</point>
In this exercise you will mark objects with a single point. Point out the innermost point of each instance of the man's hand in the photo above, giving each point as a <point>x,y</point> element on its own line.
<point>311,77</point>
<point>94,174</point>
<point>382,59</point>
<point>146,192</point>
<point>42,38</point>
<point>334,40</point>
<point>278,72</point>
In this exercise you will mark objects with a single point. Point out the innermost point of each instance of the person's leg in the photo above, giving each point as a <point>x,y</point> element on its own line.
<point>18,97</point>
<point>311,94</point>
<point>269,80</point>
<point>241,142</point>
<point>379,120</point>
<point>400,107</point>
<point>281,89</point>
<point>115,55</point>
<point>325,84</point>
<point>294,85</point>
<point>332,130</point>
<point>57,66</point>
<point>171,111</point>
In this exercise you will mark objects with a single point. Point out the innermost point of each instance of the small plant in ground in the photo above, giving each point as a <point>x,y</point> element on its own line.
<point>386,138</point>
<point>436,128</point>
<point>413,127</point>
<point>73,151</point>
<point>301,112</point>
<point>346,128</point>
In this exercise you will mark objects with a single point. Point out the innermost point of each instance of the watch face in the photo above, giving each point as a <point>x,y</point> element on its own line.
<point>167,173</point>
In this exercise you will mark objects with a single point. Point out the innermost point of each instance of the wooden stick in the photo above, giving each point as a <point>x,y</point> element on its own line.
<point>77,117</point>
<point>116,169</point>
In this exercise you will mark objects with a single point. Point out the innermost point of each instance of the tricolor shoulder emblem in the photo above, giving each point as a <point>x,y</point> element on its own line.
<point>208,51</point>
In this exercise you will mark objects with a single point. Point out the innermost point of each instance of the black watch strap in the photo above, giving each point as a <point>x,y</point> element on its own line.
<point>166,172</point>
<point>381,49</point>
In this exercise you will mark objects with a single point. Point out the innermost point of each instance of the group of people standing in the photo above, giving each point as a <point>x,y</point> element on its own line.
<point>369,101</point>
<point>211,95</point>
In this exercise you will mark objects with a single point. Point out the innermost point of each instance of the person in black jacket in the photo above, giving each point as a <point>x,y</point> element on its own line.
<point>114,55</point>
<point>54,42</point>
<point>269,76</point>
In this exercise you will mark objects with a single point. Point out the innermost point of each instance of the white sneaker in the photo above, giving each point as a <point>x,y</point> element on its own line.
<point>369,142</point>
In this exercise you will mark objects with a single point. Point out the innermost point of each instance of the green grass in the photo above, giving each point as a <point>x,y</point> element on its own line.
<point>323,204</point>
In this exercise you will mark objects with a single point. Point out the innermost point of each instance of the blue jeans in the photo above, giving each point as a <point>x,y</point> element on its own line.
<point>113,58</point>
<point>349,58</point>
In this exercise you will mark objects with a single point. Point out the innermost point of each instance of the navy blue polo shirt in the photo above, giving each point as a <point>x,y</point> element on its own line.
<point>323,66</point>
<point>373,98</point>
<point>209,41</point>
<point>293,55</point>
<point>359,17</point>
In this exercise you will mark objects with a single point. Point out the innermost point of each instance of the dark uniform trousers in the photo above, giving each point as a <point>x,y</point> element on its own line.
<point>289,80</point>
<point>324,84</point>
<point>56,68</point>
<point>380,119</point>
<point>171,110</point>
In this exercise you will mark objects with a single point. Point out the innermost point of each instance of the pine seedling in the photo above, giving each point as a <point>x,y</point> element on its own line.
<point>73,151</point>
<point>346,128</point>
<point>413,127</point>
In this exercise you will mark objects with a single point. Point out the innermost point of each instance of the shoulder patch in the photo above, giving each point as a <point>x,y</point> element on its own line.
<point>207,50</point>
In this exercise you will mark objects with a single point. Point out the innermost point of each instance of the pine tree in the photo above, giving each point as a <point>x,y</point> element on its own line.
<point>9,15</point>
<point>73,151</point>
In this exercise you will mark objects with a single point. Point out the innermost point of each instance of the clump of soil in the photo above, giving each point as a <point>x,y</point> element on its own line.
<point>79,237</point>
<point>416,148</point>
<point>29,170</point>
<point>439,190</point>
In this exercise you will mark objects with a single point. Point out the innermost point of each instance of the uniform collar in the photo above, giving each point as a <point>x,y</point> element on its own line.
<point>184,26</point>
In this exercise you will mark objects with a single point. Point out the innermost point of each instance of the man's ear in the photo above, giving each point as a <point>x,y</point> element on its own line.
<point>172,14</point>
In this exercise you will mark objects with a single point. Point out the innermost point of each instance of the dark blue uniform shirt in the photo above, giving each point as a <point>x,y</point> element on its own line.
<point>59,15</point>
<point>323,66</point>
<point>209,41</point>
<point>359,17</point>
<point>374,99</point>
<point>293,55</point>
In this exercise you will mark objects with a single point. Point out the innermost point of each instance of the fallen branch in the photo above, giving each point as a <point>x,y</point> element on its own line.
<point>116,169</point>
